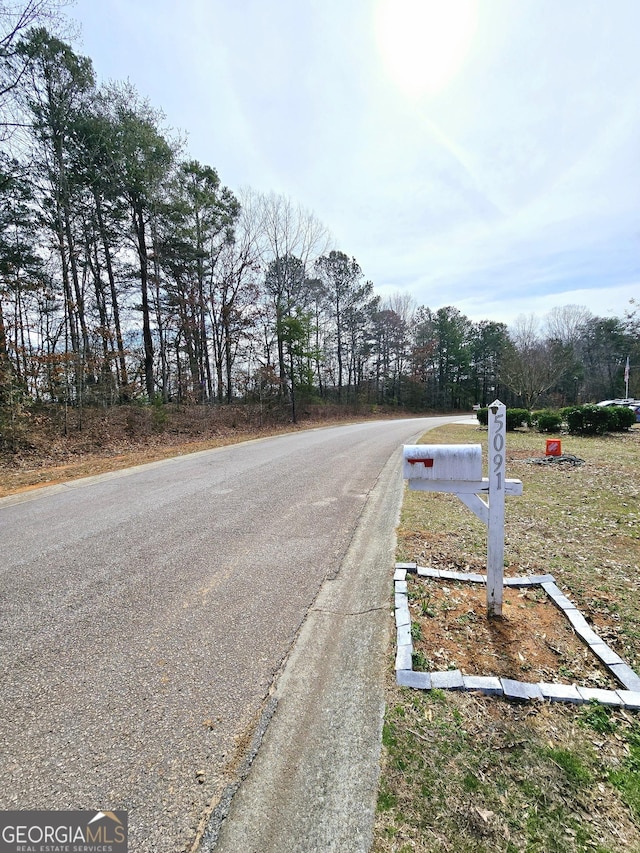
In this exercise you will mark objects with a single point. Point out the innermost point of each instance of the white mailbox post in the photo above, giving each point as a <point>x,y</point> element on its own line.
<point>457,468</point>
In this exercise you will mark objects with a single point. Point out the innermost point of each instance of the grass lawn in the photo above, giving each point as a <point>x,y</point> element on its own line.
<point>464,772</point>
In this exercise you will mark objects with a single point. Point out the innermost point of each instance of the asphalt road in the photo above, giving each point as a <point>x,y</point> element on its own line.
<point>145,617</point>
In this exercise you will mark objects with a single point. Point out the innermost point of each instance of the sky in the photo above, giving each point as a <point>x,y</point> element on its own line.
<point>483,154</point>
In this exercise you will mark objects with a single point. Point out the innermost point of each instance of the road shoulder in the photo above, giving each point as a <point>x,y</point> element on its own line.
<point>313,783</point>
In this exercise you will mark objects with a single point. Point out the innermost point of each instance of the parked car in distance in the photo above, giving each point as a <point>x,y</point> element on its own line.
<point>632,404</point>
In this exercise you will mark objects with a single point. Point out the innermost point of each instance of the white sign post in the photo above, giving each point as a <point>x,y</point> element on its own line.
<point>495,539</point>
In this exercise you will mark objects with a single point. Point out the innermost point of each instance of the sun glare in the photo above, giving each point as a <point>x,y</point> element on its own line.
<point>424,42</point>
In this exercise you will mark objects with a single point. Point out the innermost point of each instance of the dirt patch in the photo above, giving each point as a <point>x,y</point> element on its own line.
<point>532,641</point>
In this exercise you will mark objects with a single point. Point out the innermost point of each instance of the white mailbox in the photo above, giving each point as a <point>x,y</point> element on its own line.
<point>442,462</point>
<point>457,469</point>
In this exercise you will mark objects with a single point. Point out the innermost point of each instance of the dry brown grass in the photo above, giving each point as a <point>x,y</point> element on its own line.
<point>54,446</point>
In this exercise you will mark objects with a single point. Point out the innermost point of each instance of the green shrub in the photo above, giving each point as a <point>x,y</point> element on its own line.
<point>621,418</point>
<point>515,418</point>
<point>587,420</point>
<point>518,418</point>
<point>547,421</point>
<point>159,415</point>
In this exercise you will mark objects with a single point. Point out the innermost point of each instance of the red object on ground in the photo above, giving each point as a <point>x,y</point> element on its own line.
<point>554,447</point>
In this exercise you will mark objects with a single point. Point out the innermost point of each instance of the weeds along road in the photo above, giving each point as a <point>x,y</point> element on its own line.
<point>146,614</point>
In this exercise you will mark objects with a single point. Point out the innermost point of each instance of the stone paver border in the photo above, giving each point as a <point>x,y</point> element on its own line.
<point>522,691</point>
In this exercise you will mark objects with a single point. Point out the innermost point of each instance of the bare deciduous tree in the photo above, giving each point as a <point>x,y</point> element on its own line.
<point>533,364</point>
<point>566,323</point>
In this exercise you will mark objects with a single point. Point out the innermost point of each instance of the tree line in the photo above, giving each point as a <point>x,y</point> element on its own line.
<point>129,271</point>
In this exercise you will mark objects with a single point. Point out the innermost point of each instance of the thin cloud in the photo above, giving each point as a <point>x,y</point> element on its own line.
<point>516,184</point>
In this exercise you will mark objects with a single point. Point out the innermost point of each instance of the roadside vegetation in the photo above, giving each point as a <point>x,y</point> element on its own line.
<point>51,444</point>
<point>465,772</point>
<point>587,419</point>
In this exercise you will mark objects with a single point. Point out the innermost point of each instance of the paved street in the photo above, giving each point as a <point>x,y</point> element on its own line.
<point>146,614</point>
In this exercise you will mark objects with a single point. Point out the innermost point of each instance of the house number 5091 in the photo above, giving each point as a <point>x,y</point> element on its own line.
<point>498,450</point>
